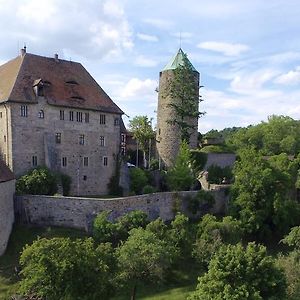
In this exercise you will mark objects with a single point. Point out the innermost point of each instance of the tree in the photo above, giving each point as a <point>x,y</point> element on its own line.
<point>183,90</point>
<point>60,268</point>
<point>236,273</point>
<point>138,180</point>
<point>142,258</point>
<point>39,181</point>
<point>262,195</point>
<point>141,127</point>
<point>180,177</point>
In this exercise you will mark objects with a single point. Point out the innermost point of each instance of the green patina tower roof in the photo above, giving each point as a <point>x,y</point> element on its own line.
<point>180,59</point>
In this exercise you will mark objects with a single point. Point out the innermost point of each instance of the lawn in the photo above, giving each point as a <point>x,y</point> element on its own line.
<point>181,280</point>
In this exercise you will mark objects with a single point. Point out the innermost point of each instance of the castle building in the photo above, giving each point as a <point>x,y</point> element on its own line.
<point>168,135</point>
<point>53,113</point>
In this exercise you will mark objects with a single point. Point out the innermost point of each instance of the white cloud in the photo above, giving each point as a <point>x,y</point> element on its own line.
<point>290,78</point>
<point>143,61</point>
<point>137,87</point>
<point>147,37</point>
<point>93,29</point>
<point>227,49</point>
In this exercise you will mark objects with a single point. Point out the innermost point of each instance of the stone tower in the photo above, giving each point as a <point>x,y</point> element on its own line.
<point>168,135</point>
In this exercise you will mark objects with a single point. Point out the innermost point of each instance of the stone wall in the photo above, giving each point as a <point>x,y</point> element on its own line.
<point>7,190</point>
<point>78,213</point>
<point>220,159</point>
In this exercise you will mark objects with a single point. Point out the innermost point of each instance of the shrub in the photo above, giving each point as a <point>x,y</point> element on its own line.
<point>216,174</point>
<point>66,183</point>
<point>154,164</point>
<point>39,181</point>
<point>203,201</point>
<point>148,189</point>
<point>138,179</point>
<point>113,186</point>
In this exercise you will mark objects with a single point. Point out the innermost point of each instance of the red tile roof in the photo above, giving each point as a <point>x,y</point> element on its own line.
<point>66,83</point>
<point>5,173</point>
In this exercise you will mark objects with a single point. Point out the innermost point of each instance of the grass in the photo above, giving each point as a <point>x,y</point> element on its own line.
<point>182,278</point>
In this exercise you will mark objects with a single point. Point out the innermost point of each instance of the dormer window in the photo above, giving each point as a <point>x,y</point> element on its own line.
<point>38,87</point>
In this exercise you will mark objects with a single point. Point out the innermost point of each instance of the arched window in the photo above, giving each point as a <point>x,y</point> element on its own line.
<point>41,114</point>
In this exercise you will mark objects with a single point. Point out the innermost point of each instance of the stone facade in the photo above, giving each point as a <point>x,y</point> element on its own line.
<point>220,159</point>
<point>54,114</point>
<point>79,212</point>
<point>7,190</point>
<point>168,135</point>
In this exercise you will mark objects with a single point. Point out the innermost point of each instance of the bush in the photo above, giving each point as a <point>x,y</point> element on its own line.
<point>138,179</point>
<point>216,174</point>
<point>203,201</point>
<point>148,189</point>
<point>113,186</point>
<point>39,181</point>
<point>66,183</point>
<point>154,164</point>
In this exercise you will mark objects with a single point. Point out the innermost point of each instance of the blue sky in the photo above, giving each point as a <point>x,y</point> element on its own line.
<point>248,52</point>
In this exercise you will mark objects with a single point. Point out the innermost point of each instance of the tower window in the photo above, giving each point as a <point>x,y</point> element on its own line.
<point>41,114</point>
<point>102,141</point>
<point>58,138</point>
<point>102,119</point>
<point>81,139</point>
<point>24,111</point>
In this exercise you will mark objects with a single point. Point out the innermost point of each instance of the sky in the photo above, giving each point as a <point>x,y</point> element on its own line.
<point>247,52</point>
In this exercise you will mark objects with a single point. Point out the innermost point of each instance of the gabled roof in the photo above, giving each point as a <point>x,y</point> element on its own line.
<point>65,83</point>
<point>180,59</point>
<point>5,173</point>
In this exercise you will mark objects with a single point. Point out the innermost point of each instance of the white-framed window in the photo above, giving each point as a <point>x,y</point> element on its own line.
<point>41,114</point>
<point>102,119</point>
<point>58,138</point>
<point>102,141</point>
<point>105,160</point>
<point>24,111</point>
<point>81,139</point>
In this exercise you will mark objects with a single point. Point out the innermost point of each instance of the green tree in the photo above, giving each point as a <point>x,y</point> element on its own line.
<point>180,177</point>
<point>236,273</point>
<point>138,180</point>
<point>60,268</point>
<point>184,91</point>
<point>261,193</point>
<point>39,181</point>
<point>142,258</point>
<point>141,127</point>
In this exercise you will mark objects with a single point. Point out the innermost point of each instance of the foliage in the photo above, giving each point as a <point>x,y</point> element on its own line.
<point>113,186</point>
<point>216,149</point>
<point>203,201</point>
<point>183,89</point>
<point>261,193</point>
<point>148,189</point>
<point>236,273</point>
<point>63,269</point>
<point>138,179</point>
<point>198,160</point>
<point>212,234</point>
<point>217,174</point>
<point>39,181</point>
<point>141,127</point>
<point>154,164</point>
<point>143,258</point>
<point>293,238</point>
<point>279,134</point>
<point>66,183</point>
<point>180,176</point>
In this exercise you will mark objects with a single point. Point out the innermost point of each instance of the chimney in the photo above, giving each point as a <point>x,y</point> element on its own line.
<point>56,57</point>
<point>23,51</point>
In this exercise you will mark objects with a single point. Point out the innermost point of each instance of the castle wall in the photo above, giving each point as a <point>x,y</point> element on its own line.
<point>79,212</point>
<point>7,190</point>
<point>34,136</point>
<point>220,159</point>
